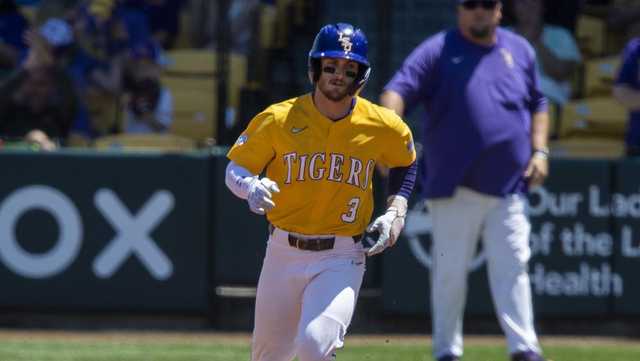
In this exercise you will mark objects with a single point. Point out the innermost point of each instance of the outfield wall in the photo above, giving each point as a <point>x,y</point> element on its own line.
<point>105,232</point>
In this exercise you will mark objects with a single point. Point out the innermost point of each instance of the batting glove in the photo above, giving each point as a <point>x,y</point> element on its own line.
<point>260,193</point>
<point>389,226</point>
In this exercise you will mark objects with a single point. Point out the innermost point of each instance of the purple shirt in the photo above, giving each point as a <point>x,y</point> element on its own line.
<point>478,101</point>
<point>630,76</point>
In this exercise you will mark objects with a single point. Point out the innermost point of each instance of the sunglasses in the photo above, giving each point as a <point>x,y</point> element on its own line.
<point>485,4</point>
<point>332,70</point>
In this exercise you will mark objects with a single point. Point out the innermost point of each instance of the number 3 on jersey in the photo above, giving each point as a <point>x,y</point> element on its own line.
<point>351,214</point>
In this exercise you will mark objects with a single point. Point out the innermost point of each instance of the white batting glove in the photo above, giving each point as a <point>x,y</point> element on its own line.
<point>260,193</point>
<point>389,226</point>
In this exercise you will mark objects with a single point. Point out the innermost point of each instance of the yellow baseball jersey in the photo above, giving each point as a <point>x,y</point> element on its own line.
<point>324,168</point>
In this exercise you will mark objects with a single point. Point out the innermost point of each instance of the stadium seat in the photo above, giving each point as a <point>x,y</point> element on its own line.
<point>590,33</point>
<point>598,116</point>
<point>145,142</point>
<point>203,63</point>
<point>184,40</point>
<point>178,84</point>
<point>268,23</point>
<point>191,62</point>
<point>587,147</point>
<point>195,93</point>
<point>194,114</point>
<point>599,75</point>
<point>594,37</point>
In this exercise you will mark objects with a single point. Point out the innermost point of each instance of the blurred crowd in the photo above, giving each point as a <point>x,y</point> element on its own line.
<point>72,71</point>
<point>75,70</point>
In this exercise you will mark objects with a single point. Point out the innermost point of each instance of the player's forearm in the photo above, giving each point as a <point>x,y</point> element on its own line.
<point>401,183</point>
<point>627,96</point>
<point>540,131</point>
<point>393,101</point>
<point>238,180</point>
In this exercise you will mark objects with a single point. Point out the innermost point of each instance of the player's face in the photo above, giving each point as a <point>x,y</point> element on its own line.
<point>479,18</point>
<point>336,78</point>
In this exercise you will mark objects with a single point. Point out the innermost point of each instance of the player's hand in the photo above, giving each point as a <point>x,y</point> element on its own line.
<point>260,193</point>
<point>537,170</point>
<point>389,226</point>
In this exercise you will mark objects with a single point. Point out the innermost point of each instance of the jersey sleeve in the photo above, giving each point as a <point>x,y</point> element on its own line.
<point>414,78</point>
<point>628,73</point>
<point>399,149</point>
<point>538,102</point>
<point>253,149</point>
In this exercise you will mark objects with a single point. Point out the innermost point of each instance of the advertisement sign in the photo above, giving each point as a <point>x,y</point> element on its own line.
<point>104,232</point>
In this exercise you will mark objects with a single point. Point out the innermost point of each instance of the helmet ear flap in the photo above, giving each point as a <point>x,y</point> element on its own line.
<point>361,79</point>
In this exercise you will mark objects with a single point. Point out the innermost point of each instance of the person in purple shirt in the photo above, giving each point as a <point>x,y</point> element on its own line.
<point>627,91</point>
<point>484,143</point>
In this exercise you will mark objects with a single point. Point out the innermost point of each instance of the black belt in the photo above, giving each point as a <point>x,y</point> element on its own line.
<point>312,244</point>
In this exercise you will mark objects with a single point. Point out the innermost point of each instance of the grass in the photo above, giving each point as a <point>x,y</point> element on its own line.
<point>125,346</point>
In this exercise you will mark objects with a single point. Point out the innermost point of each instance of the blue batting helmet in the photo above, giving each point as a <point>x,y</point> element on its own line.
<point>342,41</point>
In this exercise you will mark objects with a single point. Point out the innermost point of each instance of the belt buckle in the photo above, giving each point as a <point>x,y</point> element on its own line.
<point>298,243</point>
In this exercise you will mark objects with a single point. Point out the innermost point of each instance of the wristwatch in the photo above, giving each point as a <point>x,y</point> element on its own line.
<point>541,152</point>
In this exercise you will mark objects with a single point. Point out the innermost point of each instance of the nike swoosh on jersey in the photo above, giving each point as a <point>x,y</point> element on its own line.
<point>295,130</point>
<point>457,60</point>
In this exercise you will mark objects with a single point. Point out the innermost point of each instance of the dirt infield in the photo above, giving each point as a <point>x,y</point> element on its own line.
<point>134,337</point>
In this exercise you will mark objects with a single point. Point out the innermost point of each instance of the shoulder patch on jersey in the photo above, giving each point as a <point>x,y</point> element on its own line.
<point>242,139</point>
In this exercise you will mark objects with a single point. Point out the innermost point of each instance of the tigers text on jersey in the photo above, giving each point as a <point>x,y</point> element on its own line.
<point>324,168</point>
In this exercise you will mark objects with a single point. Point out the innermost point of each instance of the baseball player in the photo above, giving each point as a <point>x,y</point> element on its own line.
<point>319,152</point>
<point>485,138</point>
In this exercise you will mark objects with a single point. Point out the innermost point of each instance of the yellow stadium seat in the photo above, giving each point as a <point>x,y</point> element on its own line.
<point>195,92</point>
<point>595,38</point>
<point>194,115</point>
<point>590,33</point>
<point>599,75</point>
<point>268,23</point>
<point>587,147</point>
<point>203,63</point>
<point>601,116</point>
<point>195,103</point>
<point>191,62</point>
<point>200,63</point>
<point>145,142</point>
<point>184,40</point>
<point>178,84</point>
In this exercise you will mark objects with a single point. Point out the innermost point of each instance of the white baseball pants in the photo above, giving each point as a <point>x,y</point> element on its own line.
<point>305,299</point>
<point>458,223</point>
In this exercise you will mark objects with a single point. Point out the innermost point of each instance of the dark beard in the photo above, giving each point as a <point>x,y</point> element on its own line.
<point>334,96</point>
<point>480,33</point>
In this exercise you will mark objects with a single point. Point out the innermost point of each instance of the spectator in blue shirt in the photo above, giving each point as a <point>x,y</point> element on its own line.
<point>557,52</point>
<point>149,105</point>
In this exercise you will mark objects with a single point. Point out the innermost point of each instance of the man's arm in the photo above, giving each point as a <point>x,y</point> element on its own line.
<point>390,224</point>
<point>540,130</point>
<point>392,100</point>
<point>538,167</point>
<point>627,96</point>
<point>245,185</point>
